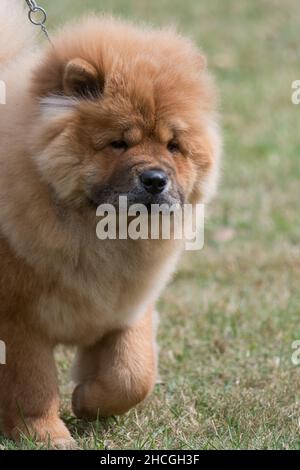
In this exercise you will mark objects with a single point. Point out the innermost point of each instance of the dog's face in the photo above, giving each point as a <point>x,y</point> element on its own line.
<point>125,121</point>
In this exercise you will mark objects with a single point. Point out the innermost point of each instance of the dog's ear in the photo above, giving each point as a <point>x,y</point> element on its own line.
<point>81,79</point>
<point>74,77</point>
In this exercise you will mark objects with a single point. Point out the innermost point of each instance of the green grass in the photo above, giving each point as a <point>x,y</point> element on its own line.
<point>230,314</point>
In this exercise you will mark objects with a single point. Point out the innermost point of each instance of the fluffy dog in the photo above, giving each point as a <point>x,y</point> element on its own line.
<point>112,109</point>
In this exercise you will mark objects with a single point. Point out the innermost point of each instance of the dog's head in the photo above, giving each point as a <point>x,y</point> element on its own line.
<point>125,111</point>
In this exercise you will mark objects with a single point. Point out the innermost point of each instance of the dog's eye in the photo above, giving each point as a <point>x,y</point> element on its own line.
<point>119,145</point>
<point>173,146</point>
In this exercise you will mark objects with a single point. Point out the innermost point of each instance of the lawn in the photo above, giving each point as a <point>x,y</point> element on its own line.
<point>232,311</point>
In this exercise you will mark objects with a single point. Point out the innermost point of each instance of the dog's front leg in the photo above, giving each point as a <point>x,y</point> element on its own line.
<point>118,372</point>
<point>29,399</point>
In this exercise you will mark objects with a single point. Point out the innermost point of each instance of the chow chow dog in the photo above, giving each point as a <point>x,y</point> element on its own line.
<point>110,109</point>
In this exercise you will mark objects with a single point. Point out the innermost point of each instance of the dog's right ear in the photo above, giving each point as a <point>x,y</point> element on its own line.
<point>75,77</point>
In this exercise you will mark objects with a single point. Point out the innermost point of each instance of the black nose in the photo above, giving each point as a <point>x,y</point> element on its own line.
<point>154,181</point>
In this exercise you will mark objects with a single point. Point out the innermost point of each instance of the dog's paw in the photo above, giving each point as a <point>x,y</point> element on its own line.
<point>49,432</point>
<point>64,444</point>
<point>92,400</point>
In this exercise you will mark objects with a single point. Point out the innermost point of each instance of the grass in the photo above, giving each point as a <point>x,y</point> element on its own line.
<point>231,313</point>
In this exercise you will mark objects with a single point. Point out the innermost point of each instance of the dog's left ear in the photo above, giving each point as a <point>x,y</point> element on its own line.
<point>81,79</point>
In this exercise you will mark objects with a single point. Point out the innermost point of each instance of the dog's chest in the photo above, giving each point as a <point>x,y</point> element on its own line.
<point>86,309</point>
<point>109,295</point>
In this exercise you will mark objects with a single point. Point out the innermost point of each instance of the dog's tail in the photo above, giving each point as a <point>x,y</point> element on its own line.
<point>16,32</point>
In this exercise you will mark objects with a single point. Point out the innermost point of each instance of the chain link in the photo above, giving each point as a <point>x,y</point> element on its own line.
<point>32,5</point>
<point>38,17</point>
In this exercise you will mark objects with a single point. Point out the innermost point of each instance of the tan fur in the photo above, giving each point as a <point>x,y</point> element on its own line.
<point>58,282</point>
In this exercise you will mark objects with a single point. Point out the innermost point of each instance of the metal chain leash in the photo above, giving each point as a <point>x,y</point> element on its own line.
<point>38,17</point>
